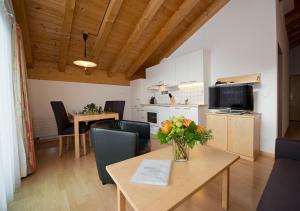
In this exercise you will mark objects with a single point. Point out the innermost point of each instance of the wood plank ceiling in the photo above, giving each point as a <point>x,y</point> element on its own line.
<point>125,36</point>
<point>292,20</point>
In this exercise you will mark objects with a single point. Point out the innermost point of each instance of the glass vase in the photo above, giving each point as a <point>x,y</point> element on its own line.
<point>180,150</point>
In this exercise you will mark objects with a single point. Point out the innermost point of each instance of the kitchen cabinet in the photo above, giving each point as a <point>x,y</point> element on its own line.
<point>239,134</point>
<point>163,114</point>
<point>167,72</point>
<point>195,113</point>
<point>137,89</point>
<point>184,69</point>
<point>189,68</point>
<point>188,112</point>
<point>161,74</point>
<point>153,75</point>
<point>138,114</point>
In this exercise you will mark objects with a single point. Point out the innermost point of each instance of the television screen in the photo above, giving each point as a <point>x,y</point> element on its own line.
<point>235,97</point>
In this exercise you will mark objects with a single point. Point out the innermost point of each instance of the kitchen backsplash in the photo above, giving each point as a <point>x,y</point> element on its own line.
<point>195,95</point>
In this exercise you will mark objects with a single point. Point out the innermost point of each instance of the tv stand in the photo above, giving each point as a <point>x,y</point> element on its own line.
<point>230,111</point>
<point>236,133</point>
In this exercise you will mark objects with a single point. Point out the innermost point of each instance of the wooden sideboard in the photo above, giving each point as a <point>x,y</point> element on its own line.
<point>236,133</point>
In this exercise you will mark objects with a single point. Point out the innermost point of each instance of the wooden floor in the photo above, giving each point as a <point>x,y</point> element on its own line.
<point>68,184</point>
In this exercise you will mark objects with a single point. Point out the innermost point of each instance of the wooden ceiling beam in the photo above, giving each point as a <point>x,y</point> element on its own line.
<point>66,34</point>
<point>21,17</point>
<point>146,18</point>
<point>199,22</point>
<point>171,25</point>
<point>106,26</point>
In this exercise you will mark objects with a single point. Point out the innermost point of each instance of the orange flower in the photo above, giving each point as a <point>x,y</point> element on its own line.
<point>187,122</point>
<point>200,129</point>
<point>166,127</point>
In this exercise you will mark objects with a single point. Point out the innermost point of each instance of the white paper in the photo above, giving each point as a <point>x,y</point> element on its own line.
<point>153,172</point>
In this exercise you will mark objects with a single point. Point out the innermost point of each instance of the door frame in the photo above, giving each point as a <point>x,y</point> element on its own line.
<point>290,91</point>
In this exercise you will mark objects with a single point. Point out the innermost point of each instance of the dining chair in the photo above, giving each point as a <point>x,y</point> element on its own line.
<point>115,106</point>
<point>65,128</point>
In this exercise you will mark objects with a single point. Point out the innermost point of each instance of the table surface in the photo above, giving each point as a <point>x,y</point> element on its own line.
<point>186,177</point>
<point>96,116</point>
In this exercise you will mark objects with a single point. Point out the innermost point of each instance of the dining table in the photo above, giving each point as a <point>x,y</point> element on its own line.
<point>77,117</point>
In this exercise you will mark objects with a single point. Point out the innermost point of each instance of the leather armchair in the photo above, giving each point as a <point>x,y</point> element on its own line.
<point>118,140</point>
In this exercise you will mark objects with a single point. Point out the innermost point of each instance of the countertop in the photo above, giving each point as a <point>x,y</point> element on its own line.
<point>176,105</point>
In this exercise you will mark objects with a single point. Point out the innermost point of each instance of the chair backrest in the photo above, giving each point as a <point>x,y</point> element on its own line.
<point>61,116</point>
<point>111,146</point>
<point>115,106</point>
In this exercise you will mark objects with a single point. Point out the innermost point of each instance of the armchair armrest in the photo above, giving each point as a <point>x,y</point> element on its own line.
<point>287,148</point>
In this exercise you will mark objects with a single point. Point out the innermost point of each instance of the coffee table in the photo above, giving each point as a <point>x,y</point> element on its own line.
<point>186,178</point>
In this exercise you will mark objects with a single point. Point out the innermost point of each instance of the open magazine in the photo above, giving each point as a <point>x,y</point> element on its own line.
<point>153,172</point>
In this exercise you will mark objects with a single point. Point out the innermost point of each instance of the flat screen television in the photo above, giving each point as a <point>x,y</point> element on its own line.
<point>234,97</point>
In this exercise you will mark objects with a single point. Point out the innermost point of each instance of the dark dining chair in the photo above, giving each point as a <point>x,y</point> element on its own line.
<point>65,128</point>
<point>115,106</point>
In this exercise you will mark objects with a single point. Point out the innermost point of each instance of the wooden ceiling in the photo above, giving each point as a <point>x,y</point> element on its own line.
<point>125,36</point>
<point>292,20</point>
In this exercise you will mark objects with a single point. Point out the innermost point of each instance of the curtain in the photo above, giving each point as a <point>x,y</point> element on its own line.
<point>15,138</point>
<point>25,118</point>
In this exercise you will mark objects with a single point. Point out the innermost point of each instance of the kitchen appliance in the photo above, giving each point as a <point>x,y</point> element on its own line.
<point>153,100</point>
<point>152,117</point>
<point>232,97</point>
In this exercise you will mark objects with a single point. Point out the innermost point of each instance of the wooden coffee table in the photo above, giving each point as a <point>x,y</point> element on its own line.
<point>186,178</point>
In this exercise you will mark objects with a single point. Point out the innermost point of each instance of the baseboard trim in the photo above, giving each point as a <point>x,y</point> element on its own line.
<point>267,154</point>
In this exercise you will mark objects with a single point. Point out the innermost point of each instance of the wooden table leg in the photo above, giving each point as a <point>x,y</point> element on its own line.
<point>76,134</point>
<point>225,188</point>
<point>121,200</point>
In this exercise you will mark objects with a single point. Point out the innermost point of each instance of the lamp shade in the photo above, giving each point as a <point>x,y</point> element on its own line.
<point>84,63</point>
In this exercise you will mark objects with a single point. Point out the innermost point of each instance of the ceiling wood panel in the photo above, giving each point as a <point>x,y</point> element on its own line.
<point>149,13</point>
<point>110,16</point>
<point>65,35</point>
<point>124,35</point>
<point>172,23</point>
<point>21,15</point>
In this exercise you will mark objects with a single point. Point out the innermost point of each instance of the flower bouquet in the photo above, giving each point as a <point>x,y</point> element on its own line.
<point>184,133</point>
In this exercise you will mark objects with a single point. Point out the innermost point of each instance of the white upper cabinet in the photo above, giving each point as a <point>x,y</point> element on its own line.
<point>137,88</point>
<point>180,70</point>
<point>189,68</point>
<point>167,75</point>
<point>152,75</point>
<point>161,74</point>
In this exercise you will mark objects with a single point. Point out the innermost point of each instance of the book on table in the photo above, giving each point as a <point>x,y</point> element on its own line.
<point>153,172</point>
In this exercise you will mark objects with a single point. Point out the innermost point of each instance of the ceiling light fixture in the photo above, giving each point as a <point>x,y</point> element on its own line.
<point>84,63</point>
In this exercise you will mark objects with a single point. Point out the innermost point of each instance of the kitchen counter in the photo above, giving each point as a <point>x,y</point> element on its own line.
<point>176,105</point>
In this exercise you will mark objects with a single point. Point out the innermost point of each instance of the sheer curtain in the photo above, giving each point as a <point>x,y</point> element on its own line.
<point>11,143</point>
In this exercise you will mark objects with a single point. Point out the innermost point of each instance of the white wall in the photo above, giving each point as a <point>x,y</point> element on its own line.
<point>241,39</point>
<point>74,95</point>
<point>295,61</point>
